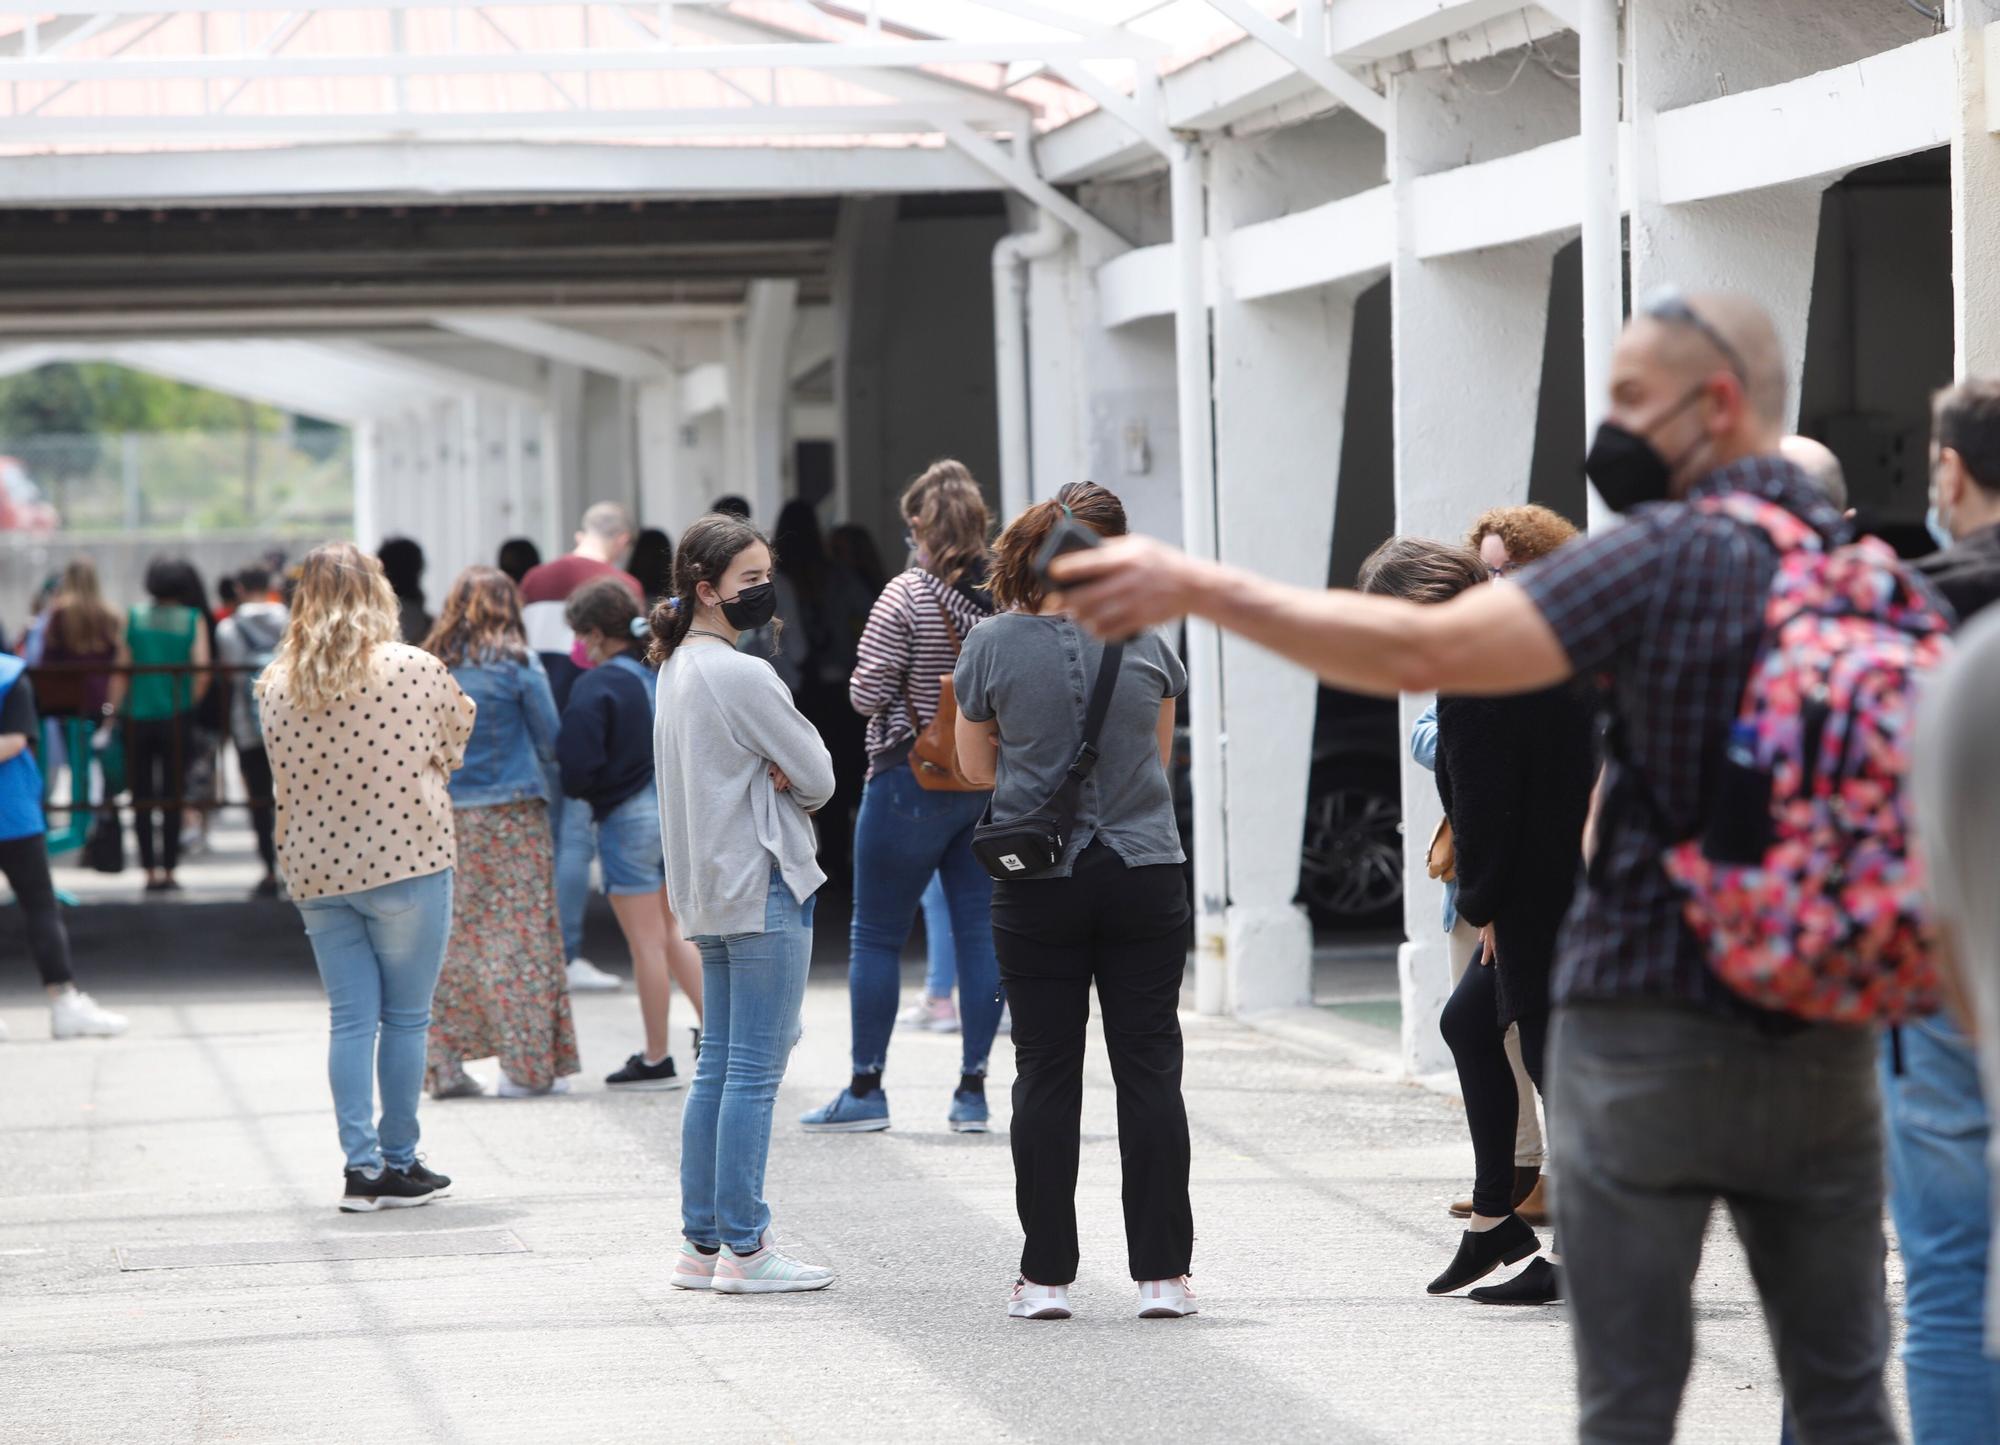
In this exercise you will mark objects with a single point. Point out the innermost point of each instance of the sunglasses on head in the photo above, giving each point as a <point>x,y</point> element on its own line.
<point>1670,305</point>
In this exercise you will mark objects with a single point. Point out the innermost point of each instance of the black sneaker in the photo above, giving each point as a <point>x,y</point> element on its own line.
<point>424,1174</point>
<point>639,1075</point>
<point>391,1189</point>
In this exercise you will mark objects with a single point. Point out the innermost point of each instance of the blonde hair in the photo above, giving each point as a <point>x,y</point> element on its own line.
<point>342,611</point>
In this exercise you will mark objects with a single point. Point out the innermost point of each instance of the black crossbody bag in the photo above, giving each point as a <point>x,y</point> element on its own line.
<point>1031,846</point>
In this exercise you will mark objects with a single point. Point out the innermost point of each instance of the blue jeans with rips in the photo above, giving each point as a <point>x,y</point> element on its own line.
<point>1938,1196</point>
<point>379,952</point>
<point>754,985</point>
<point>905,834</point>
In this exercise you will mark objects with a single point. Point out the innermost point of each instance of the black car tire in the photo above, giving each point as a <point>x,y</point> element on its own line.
<point>1351,860</point>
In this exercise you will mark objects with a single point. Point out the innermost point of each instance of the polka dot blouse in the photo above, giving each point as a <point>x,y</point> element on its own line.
<point>361,786</point>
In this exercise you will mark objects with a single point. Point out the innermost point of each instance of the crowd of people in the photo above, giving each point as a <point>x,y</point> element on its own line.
<point>1717,788</point>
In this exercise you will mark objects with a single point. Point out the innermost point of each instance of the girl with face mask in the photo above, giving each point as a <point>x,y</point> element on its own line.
<point>740,772</point>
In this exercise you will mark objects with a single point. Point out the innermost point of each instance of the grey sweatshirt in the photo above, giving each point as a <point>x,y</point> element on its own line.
<point>723,718</point>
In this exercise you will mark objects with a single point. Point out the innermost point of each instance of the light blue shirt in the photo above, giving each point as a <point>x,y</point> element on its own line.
<point>1424,748</point>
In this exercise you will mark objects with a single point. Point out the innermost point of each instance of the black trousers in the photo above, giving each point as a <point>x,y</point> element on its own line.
<point>156,759</point>
<point>1126,929</point>
<point>25,861</point>
<point>256,766</point>
<point>1471,1025</point>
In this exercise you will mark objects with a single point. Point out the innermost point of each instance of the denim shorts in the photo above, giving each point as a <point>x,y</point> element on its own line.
<point>628,846</point>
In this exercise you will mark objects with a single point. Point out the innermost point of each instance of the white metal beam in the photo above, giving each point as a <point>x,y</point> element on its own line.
<point>410,170</point>
<point>560,343</point>
<point>431,373</point>
<point>1337,81</point>
<point>497,126</point>
<point>409,64</point>
<point>1022,177</point>
<point>1143,121</point>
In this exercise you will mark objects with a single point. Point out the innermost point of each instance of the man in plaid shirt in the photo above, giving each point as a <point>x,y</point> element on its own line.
<point>1666,1091</point>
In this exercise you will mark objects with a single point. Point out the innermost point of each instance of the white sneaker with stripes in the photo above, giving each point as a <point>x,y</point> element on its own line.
<point>1166,1299</point>
<point>1038,1301</point>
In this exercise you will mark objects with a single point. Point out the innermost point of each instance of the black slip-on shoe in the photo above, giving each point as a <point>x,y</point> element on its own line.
<point>1541,1283</point>
<point>1480,1252</point>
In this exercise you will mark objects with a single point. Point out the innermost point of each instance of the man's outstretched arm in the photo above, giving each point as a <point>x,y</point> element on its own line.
<point>1489,640</point>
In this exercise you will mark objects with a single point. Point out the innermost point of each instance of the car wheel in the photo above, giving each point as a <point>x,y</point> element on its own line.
<point>1351,866</point>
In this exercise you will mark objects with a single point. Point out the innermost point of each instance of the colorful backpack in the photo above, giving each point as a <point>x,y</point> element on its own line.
<point>1806,886</point>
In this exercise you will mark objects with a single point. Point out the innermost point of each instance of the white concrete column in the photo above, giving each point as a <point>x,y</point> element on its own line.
<point>1975,203</point>
<point>1468,333</point>
<point>1194,392</point>
<point>563,457</point>
<point>1760,243</point>
<point>760,396</point>
<point>1280,392</point>
<point>369,476</point>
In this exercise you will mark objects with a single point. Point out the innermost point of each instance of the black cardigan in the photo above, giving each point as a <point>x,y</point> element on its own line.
<point>1514,774</point>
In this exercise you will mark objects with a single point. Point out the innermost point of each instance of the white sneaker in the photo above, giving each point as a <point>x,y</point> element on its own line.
<point>1038,1301</point>
<point>508,1089</point>
<point>934,1015</point>
<point>767,1272</point>
<point>76,1015</point>
<point>587,977</point>
<point>692,1268</point>
<point>462,1087</point>
<point>1166,1299</point>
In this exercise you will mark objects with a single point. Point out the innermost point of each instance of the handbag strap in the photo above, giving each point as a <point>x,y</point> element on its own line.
<point>957,648</point>
<point>1100,708</point>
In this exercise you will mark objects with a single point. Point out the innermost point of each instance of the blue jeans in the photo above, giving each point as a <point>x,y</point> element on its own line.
<point>905,834</point>
<point>576,841</point>
<point>942,975</point>
<point>753,986</point>
<point>1938,1197</point>
<point>378,953</point>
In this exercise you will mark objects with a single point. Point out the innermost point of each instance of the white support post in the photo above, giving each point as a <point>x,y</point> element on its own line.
<point>1195,399</point>
<point>764,410</point>
<point>1975,200</point>
<point>1760,243</point>
<point>1603,214</point>
<point>1343,85</point>
<point>1459,448</point>
<point>1280,392</point>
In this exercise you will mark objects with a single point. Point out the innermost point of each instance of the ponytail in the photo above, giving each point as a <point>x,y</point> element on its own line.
<point>672,617</point>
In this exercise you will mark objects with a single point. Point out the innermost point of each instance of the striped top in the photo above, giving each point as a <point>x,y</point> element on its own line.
<point>905,649</point>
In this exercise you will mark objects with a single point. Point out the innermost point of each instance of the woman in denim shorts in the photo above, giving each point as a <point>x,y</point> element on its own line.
<point>606,753</point>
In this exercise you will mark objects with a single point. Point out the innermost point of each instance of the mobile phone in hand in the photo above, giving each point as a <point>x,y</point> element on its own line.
<point>1070,536</point>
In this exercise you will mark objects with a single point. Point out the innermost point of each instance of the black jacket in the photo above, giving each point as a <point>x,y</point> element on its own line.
<point>1514,774</point>
<point>1968,573</point>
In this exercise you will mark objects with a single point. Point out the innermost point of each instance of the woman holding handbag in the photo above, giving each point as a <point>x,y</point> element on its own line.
<point>1076,735</point>
<point>917,810</point>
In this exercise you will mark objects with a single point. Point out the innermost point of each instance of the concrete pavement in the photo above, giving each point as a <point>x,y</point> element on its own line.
<point>533,1305</point>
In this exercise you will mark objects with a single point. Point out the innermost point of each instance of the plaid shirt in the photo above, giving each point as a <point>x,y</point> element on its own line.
<point>1669,610</point>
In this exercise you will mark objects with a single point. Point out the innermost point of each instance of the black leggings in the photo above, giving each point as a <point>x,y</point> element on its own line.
<point>156,755</point>
<point>1471,1025</point>
<point>25,861</point>
<point>256,765</point>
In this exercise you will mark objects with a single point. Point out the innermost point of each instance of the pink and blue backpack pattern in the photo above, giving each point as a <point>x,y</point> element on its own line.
<point>1806,886</point>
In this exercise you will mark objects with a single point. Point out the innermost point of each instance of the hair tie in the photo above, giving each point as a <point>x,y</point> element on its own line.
<point>640,627</point>
<point>1066,511</point>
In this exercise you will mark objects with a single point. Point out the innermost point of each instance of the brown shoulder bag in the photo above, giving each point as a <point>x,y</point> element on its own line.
<point>934,751</point>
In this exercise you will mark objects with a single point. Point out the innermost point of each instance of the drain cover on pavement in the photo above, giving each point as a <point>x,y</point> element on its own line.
<point>416,1244</point>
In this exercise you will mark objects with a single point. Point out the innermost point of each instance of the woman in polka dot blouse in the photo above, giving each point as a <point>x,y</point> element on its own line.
<point>363,733</point>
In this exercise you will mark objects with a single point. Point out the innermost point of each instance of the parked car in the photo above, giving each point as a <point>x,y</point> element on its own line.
<point>1351,857</point>
<point>23,508</point>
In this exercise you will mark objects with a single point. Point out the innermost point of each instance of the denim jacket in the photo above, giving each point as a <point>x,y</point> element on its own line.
<point>513,741</point>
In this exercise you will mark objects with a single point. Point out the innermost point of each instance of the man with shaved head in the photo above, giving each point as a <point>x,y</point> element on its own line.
<point>1817,461</point>
<point>1667,1090</point>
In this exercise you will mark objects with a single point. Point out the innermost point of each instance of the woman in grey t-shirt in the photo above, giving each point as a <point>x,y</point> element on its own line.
<point>1114,912</point>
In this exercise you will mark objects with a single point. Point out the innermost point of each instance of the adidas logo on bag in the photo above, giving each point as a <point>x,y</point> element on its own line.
<point>1013,862</point>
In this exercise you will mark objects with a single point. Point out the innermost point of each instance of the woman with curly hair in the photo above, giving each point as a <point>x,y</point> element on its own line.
<point>364,733</point>
<point>1507,538</point>
<point>503,990</point>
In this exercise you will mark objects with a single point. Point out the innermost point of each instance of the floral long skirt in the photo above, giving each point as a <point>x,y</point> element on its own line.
<point>503,990</point>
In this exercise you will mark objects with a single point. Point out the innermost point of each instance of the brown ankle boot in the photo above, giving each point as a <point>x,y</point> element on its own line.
<point>1535,1207</point>
<point>1527,1187</point>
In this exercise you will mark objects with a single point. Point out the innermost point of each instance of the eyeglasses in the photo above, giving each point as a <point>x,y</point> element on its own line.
<point>1670,305</point>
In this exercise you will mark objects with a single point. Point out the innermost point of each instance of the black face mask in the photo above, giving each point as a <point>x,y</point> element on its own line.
<point>752,607</point>
<point>1627,469</point>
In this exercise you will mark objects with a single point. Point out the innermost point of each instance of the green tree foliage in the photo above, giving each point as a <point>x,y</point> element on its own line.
<point>81,398</point>
<point>51,401</point>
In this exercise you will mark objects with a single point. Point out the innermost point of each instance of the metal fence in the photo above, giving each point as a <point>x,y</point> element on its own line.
<point>193,481</point>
